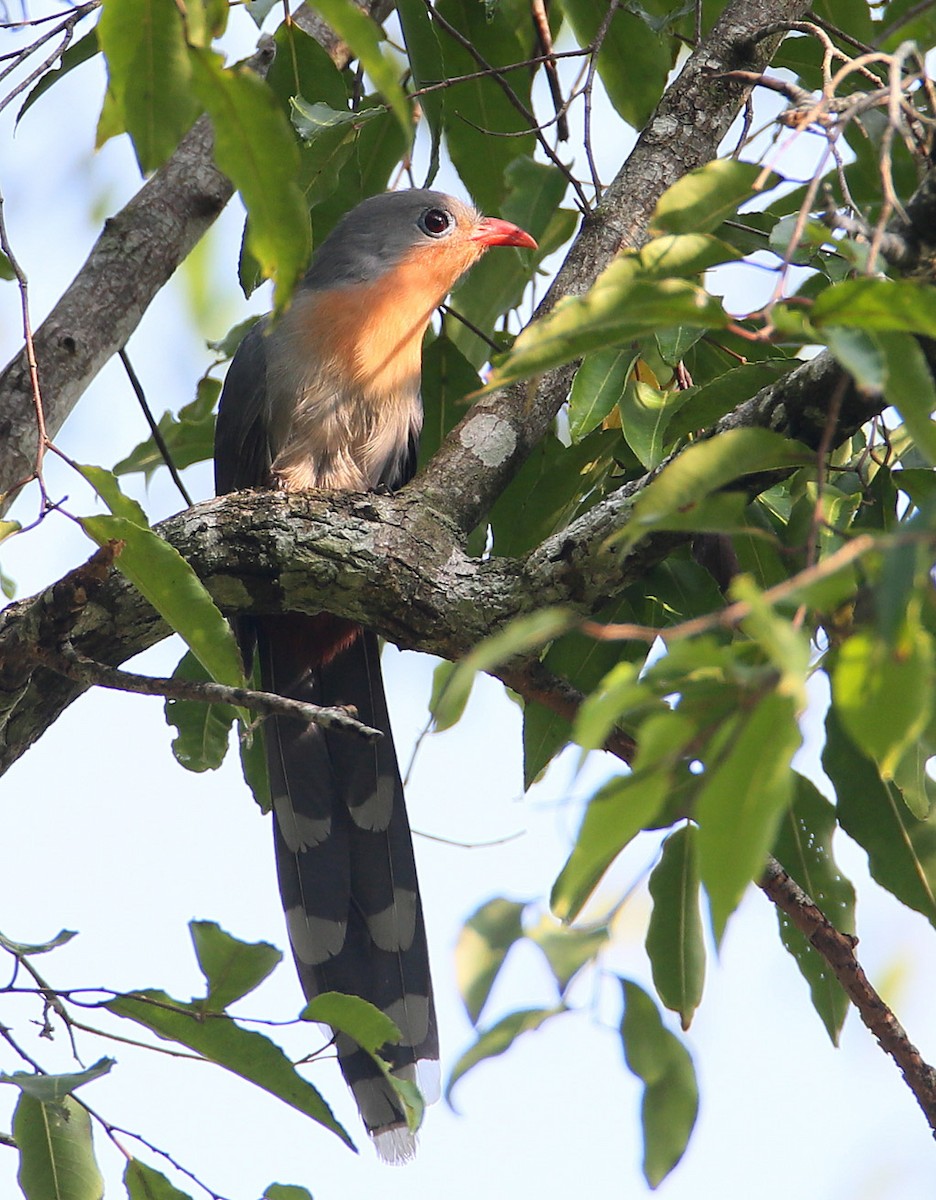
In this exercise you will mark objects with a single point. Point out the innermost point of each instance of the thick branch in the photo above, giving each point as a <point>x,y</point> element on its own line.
<point>378,559</point>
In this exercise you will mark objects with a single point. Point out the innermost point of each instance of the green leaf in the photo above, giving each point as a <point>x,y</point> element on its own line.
<point>205,20</point>
<point>482,946</point>
<point>447,378</point>
<point>645,413</point>
<point>373,156</point>
<point>105,484</point>
<point>910,389</point>
<point>111,122</point>
<point>567,950</point>
<point>496,284</point>
<point>498,1039</point>
<point>618,693</point>
<point>445,707</point>
<point>741,802</point>
<point>189,437</point>
<point>901,849</point>
<point>804,848</point>
<point>286,1191</point>
<point>705,467</point>
<point>77,53</point>
<point>632,297</point>
<point>545,733</point>
<point>547,491</point>
<point>226,347</point>
<point>204,730</point>
<point>364,36</point>
<point>146,1183</point>
<point>860,353</point>
<point>52,1089</point>
<point>880,305</point>
<point>23,949</point>
<point>168,582</point>
<point>313,121</point>
<point>520,636</point>
<point>675,943</point>
<point>584,662</point>
<point>255,768</point>
<point>303,67</point>
<point>671,1096</point>
<point>703,198</point>
<point>620,810</point>
<point>220,1040</point>
<point>6,267</point>
<point>704,405</point>
<point>357,1018</point>
<point>784,645</point>
<point>440,681</point>
<point>149,74</point>
<point>56,1151</point>
<point>882,692</point>
<point>231,968</point>
<point>479,107</point>
<point>259,10</point>
<point>634,59</point>
<point>597,387</point>
<point>256,150</point>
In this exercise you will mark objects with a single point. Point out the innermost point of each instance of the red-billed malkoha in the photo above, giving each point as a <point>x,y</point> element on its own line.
<point>327,396</point>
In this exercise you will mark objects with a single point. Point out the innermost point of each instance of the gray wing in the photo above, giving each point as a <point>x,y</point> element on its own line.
<point>243,454</point>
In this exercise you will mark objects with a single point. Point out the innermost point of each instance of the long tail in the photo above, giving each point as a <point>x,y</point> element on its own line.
<point>345,860</point>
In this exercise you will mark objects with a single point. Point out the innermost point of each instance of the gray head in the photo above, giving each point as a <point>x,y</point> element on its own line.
<point>376,234</point>
<point>380,232</point>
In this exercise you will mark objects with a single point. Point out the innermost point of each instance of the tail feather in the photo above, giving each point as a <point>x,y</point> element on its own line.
<point>345,860</point>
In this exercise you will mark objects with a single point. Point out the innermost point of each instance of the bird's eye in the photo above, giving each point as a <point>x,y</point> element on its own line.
<point>436,222</point>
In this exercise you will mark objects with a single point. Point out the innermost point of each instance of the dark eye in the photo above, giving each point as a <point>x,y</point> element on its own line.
<point>436,222</point>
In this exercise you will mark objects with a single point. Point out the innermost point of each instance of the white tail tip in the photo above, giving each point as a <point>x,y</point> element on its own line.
<point>395,1146</point>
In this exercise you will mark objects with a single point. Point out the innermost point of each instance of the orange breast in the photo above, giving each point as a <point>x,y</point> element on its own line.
<point>373,332</point>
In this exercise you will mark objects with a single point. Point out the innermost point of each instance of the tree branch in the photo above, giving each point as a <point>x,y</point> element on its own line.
<point>131,261</point>
<point>391,562</point>
<point>89,673</point>
<point>838,950</point>
<point>483,452</point>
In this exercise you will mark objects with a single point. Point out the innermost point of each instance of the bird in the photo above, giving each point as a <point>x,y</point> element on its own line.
<point>327,395</point>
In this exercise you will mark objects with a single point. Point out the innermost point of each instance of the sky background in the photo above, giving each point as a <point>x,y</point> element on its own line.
<point>102,832</point>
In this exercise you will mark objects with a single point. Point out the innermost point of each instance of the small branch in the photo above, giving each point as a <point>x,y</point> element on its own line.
<point>95,674</point>
<point>544,38</point>
<point>838,950</point>
<point>154,427</point>
<point>512,97</point>
<point>533,681</point>
<point>734,614</point>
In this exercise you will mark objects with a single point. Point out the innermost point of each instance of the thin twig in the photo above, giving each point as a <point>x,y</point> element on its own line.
<point>734,614</point>
<point>544,37</point>
<point>113,1131</point>
<point>905,18</point>
<point>95,674</point>
<point>154,427</point>
<point>597,42</point>
<point>512,97</point>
